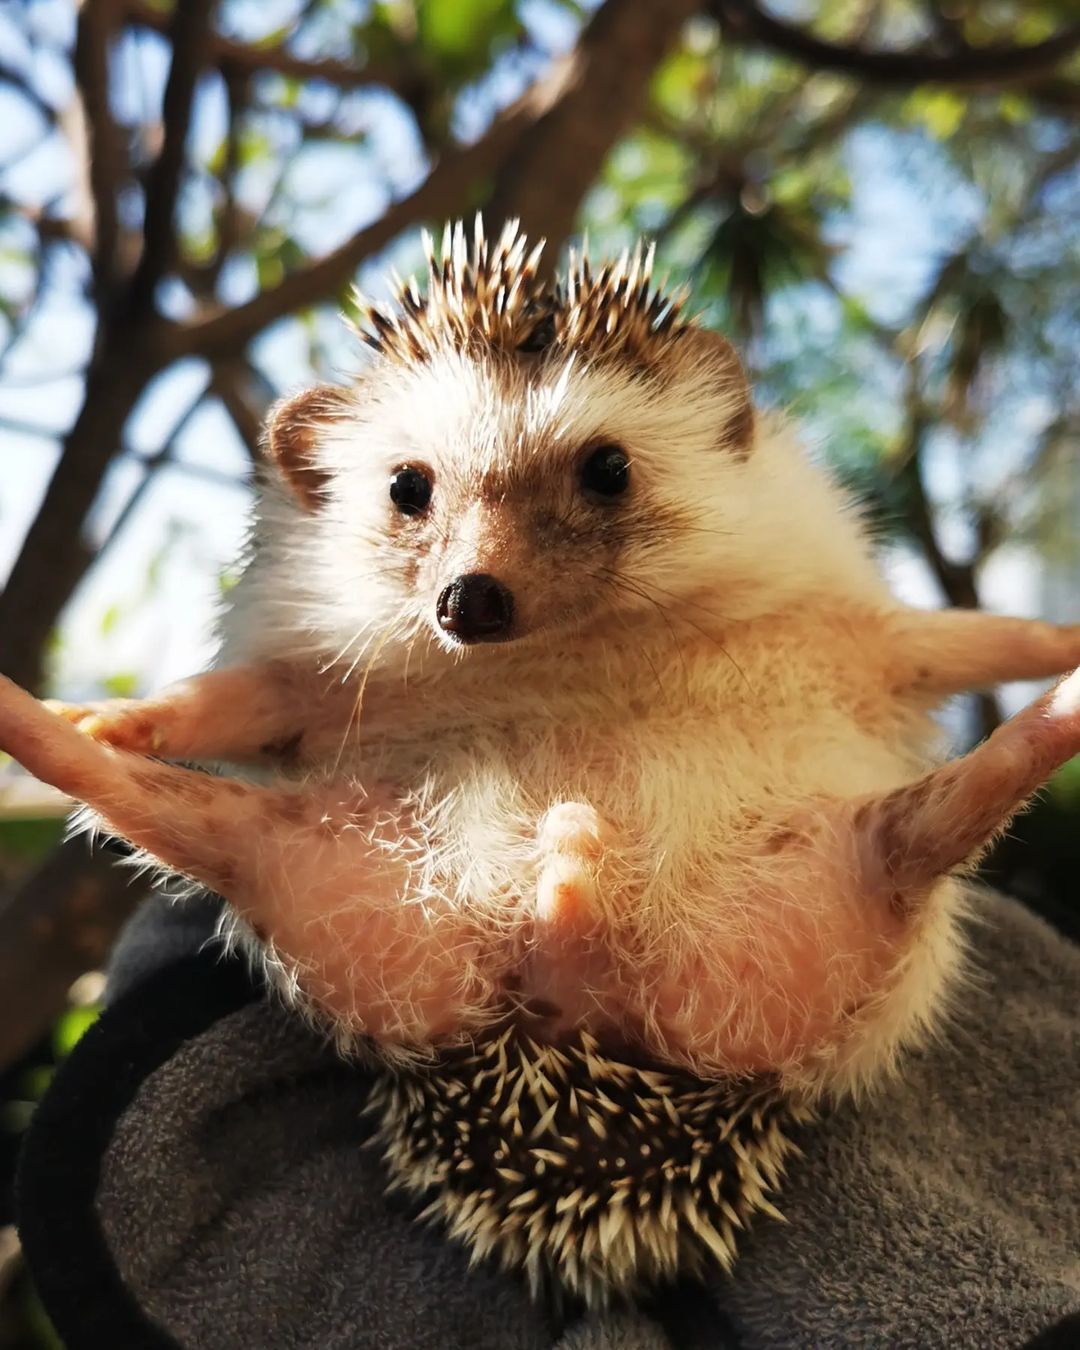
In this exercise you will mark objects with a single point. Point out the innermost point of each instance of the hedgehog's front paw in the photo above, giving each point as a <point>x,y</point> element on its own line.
<point>123,723</point>
<point>572,839</point>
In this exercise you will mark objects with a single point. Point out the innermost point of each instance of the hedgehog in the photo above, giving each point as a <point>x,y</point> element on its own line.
<point>566,748</point>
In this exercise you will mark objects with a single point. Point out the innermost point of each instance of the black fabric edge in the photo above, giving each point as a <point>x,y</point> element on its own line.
<point>60,1162</point>
<point>1063,1335</point>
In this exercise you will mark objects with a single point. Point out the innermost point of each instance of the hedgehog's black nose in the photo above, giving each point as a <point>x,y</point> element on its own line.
<point>476,608</point>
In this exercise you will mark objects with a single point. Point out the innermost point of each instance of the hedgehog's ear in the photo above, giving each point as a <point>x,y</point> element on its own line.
<point>292,435</point>
<point>719,362</point>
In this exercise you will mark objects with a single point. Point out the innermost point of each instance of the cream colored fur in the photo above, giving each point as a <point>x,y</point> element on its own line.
<point>737,672</point>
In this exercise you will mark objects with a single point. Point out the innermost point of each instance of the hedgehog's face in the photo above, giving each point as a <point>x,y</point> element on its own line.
<point>510,496</point>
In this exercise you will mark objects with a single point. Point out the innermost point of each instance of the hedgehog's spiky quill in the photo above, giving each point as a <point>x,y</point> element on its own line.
<point>588,1173</point>
<point>492,295</point>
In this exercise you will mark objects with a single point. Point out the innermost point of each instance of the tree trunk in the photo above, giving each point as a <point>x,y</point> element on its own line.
<point>603,93</point>
<point>55,555</point>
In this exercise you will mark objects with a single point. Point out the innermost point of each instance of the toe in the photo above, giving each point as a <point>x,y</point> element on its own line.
<point>573,827</point>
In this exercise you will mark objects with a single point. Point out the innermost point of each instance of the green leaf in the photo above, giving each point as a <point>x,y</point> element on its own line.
<point>461,33</point>
<point>124,684</point>
<point>1032,27</point>
<point>112,616</point>
<point>254,147</point>
<point>1015,108</point>
<point>273,39</point>
<point>760,246</point>
<point>215,164</point>
<point>199,245</point>
<point>1064,787</point>
<point>682,82</point>
<point>939,111</point>
<point>290,89</point>
<point>35,1081</point>
<point>44,1333</point>
<point>71,1028</point>
<point>31,837</point>
<point>649,168</point>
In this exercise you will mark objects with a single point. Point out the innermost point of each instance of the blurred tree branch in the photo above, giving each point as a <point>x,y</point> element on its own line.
<point>603,90</point>
<point>543,153</point>
<point>128,350</point>
<point>998,67</point>
<point>245,397</point>
<point>55,556</point>
<point>96,140</point>
<point>16,79</point>
<point>958,580</point>
<point>188,39</point>
<point>400,77</point>
<point>441,194</point>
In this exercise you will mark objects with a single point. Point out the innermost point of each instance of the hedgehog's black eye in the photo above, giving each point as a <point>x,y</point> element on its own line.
<point>410,490</point>
<point>606,472</point>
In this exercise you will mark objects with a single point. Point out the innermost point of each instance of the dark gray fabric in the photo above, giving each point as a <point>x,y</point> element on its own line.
<point>160,932</point>
<point>242,1212</point>
<point>616,1331</point>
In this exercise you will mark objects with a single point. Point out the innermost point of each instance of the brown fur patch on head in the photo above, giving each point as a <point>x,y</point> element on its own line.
<point>292,437</point>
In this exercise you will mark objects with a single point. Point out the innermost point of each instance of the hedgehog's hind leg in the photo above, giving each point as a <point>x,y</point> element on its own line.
<point>908,839</point>
<point>323,873</point>
<point>893,854</point>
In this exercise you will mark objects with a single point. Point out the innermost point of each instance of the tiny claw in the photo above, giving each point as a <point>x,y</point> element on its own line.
<point>124,724</point>
<point>82,717</point>
<point>70,712</point>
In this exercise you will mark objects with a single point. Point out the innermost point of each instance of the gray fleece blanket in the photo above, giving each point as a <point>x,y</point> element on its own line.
<point>239,1210</point>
